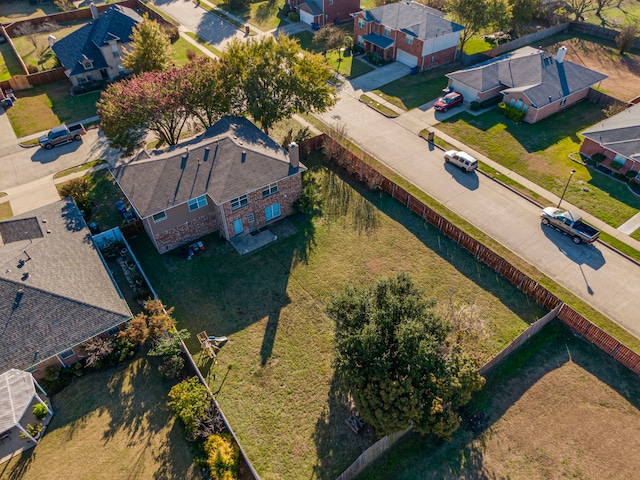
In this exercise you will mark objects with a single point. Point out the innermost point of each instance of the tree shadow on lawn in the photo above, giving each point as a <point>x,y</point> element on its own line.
<point>538,136</point>
<point>554,346</point>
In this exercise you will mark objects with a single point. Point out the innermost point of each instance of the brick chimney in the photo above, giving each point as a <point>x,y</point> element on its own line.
<point>294,155</point>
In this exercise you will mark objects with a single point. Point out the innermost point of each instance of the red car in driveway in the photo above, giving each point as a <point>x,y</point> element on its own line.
<point>448,101</point>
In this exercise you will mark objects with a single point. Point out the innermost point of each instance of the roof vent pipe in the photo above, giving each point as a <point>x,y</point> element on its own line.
<point>244,156</point>
<point>562,51</point>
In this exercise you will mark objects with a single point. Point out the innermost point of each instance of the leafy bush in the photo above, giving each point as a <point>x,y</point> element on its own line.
<point>190,401</point>
<point>357,49</point>
<point>222,456</point>
<point>172,366</point>
<point>78,189</point>
<point>56,378</point>
<point>293,16</point>
<point>285,10</point>
<point>598,157</point>
<point>32,429</point>
<point>40,411</point>
<point>475,106</point>
<point>513,113</point>
<point>97,349</point>
<point>32,68</point>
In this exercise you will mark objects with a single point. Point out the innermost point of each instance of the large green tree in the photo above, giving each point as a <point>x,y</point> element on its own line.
<point>330,37</point>
<point>396,356</point>
<point>473,15</point>
<point>275,79</point>
<point>150,48</point>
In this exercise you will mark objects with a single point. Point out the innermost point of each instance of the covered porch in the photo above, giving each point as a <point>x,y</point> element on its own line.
<point>379,44</point>
<point>19,394</point>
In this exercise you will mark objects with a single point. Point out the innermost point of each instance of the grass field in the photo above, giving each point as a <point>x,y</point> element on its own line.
<point>346,65</point>
<point>540,152</point>
<point>559,408</point>
<point>14,10</point>
<point>9,63</point>
<point>41,108</point>
<point>274,378</point>
<point>262,14</point>
<point>111,424</point>
<point>43,57</point>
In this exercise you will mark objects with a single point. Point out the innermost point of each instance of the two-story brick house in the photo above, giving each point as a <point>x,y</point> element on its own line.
<point>322,12</point>
<point>94,52</point>
<point>409,32</point>
<point>234,179</point>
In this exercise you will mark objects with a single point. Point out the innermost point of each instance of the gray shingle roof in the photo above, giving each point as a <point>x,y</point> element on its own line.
<point>115,22</point>
<point>534,72</point>
<point>620,133</point>
<point>169,179</point>
<point>413,18</point>
<point>67,297</point>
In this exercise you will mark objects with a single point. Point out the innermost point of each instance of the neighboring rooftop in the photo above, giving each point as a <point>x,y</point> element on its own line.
<point>55,291</point>
<point>231,158</point>
<point>115,23</point>
<point>620,133</point>
<point>413,18</point>
<point>536,73</point>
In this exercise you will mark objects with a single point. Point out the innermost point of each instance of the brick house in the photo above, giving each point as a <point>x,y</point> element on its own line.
<point>529,79</point>
<point>55,290</point>
<point>409,32</point>
<point>234,179</point>
<point>94,52</point>
<point>322,12</point>
<point>616,138</point>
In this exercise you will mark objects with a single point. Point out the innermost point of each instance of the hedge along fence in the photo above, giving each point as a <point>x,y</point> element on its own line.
<point>374,180</point>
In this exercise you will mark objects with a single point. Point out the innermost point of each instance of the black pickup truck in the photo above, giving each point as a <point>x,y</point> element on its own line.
<point>61,135</point>
<point>569,223</point>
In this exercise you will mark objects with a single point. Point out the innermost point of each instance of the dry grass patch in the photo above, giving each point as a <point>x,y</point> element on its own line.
<point>559,408</point>
<point>111,424</point>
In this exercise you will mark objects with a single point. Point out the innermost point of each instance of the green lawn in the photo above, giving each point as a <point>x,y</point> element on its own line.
<point>43,57</point>
<point>477,44</point>
<point>540,152</point>
<point>263,15</point>
<point>539,416</point>
<point>412,91</point>
<point>180,47</point>
<point>205,44</point>
<point>9,63</point>
<point>13,11</point>
<point>274,378</point>
<point>110,424</point>
<point>41,108</point>
<point>614,16</point>
<point>104,192</point>
<point>341,62</point>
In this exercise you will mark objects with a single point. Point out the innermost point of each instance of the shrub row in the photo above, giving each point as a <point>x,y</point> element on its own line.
<point>513,113</point>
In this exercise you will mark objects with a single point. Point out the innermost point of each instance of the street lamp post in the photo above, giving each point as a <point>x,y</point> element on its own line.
<point>565,187</point>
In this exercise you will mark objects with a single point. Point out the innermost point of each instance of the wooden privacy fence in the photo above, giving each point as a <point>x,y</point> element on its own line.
<point>591,332</point>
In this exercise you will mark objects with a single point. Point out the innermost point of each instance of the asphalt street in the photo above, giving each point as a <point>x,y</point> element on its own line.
<point>601,277</point>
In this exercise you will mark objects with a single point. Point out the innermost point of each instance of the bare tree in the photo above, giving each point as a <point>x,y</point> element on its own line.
<point>29,31</point>
<point>627,36</point>
<point>578,8</point>
<point>96,349</point>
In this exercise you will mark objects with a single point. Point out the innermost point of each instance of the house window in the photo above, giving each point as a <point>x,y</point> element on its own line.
<point>387,31</point>
<point>330,2</point>
<point>114,50</point>
<point>269,190</point>
<point>563,101</point>
<point>408,39</point>
<point>158,217</point>
<point>360,22</point>
<point>519,104</point>
<point>196,203</point>
<point>360,41</point>
<point>241,201</point>
<point>512,102</point>
<point>66,354</point>
<point>272,211</point>
<point>525,108</point>
<point>251,218</point>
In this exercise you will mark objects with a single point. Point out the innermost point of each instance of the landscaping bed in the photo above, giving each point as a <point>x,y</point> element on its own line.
<point>274,379</point>
<point>558,408</point>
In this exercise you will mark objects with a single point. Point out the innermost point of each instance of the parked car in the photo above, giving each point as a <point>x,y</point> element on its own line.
<point>448,101</point>
<point>61,135</point>
<point>570,224</point>
<point>461,159</point>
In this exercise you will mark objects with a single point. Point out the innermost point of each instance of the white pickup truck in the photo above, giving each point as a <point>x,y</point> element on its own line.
<point>570,224</point>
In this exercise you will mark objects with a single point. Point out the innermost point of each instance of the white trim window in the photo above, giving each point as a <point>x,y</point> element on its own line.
<point>360,41</point>
<point>66,354</point>
<point>159,217</point>
<point>269,190</point>
<point>241,201</point>
<point>408,39</point>
<point>272,211</point>
<point>387,31</point>
<point>196,203</point>
<point>360,22</point>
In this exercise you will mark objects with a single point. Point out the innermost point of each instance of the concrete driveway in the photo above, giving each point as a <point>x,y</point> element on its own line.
<point>196,19</point>
<point>604,279</point>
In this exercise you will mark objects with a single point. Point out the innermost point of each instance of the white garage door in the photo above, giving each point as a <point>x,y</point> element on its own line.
<point>468,93</point>
<point>406,58</point>
<point>306,17</point>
